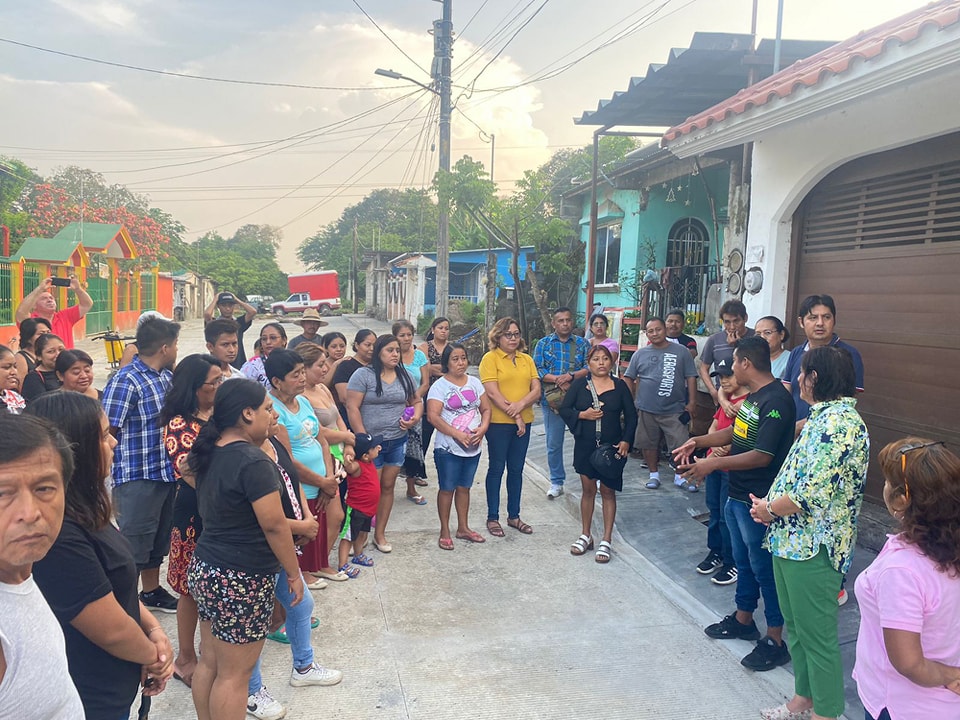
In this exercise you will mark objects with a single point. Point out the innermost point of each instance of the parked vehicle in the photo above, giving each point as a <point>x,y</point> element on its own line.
<point>318,290</point>
<point>261,302</point>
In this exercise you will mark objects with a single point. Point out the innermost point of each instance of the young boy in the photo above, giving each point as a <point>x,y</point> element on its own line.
<point>222,342</point>
<point>363,494</point>
<point>720,557</point>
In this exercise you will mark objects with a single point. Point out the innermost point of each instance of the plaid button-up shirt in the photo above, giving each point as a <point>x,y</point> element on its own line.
<point>132,402</point>
<point>554,357</point>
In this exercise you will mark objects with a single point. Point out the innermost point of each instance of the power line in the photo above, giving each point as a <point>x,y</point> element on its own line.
<point>171,73</point>
<point>383,32</point>
<point>472,17</point>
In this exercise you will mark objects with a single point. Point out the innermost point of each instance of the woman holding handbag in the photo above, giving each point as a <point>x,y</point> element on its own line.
<point>600,413</point>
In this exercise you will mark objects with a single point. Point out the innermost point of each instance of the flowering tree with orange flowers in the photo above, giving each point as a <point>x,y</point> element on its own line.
<point>52,207</point>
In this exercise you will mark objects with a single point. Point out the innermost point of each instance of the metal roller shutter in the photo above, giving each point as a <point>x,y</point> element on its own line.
<point>882,236</point>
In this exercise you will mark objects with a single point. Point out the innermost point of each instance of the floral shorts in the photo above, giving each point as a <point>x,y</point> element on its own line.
<point>237,604</point>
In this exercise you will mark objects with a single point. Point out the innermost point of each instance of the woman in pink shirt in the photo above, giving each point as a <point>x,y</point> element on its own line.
<point>908,647</point>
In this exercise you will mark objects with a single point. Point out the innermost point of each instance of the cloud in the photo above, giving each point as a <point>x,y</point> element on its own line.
<point>104,14</point>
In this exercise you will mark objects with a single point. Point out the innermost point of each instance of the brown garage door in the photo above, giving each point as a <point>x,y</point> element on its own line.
<point>882,236</point>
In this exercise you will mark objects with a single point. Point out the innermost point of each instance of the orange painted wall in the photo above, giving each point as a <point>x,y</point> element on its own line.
<point>126,320</point>
<point>7,332</point>
<point>165,296</point>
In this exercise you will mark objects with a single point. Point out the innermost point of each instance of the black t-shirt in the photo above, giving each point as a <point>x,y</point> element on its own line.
<point>286,462</point>
<point>765,423</point>
<point>39,382</point>
<point>239,475</point>
<point>84,566</point>
<point>344,372</point>
<point>244,325</point>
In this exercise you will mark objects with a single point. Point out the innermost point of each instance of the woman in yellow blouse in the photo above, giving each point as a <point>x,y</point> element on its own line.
<point>812,510</point>
<point>513,386</point>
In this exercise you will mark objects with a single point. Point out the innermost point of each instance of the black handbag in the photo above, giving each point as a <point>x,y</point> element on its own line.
<point>606,460</point>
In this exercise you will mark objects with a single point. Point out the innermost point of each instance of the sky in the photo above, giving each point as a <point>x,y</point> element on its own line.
<point>218,155</point>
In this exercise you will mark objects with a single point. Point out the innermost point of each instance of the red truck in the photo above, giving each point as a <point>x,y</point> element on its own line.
<point>318,290</point>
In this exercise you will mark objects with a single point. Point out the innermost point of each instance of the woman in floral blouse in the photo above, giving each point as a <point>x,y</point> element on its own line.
<point>812,509</point>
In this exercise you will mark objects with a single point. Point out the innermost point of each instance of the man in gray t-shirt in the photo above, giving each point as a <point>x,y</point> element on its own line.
<point>662,377</point>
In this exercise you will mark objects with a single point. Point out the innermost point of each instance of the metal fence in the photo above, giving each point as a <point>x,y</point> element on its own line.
<point>6,294</point>
<point>684,288</point>
<point>148,292</point>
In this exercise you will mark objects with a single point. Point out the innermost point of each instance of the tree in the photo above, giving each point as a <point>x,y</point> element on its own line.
<point>87,186</point>
<point>386,219</point>
<point>246,263</point>
<point>15,180</point>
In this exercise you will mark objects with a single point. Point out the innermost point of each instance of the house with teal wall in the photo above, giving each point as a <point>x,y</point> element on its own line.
<point>657,217</point>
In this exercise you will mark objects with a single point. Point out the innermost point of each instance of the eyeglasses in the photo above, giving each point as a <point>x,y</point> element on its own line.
<point>215,383</point>
<point>767,333</point>
<point>511,335</point>
<point>903,462</point>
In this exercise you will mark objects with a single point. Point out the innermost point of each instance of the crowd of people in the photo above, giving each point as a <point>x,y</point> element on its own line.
<point>249,475</point>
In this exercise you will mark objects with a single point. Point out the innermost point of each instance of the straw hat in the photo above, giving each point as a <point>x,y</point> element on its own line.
<point>311,314</point>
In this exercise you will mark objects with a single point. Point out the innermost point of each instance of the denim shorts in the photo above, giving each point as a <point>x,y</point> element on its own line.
<point>453,470</point>
<point>391,453</point>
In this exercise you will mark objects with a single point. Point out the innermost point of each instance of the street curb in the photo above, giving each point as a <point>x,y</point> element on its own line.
<point>780,679</point>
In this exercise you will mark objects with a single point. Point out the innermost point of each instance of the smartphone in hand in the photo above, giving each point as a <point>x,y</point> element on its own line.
<point>60,282</point>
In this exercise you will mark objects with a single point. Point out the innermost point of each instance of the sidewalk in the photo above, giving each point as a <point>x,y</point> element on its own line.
<point>517,627</point>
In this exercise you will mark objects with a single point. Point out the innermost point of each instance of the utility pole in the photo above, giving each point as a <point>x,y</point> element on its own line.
<point>355,275</point>
<point>441,71</point>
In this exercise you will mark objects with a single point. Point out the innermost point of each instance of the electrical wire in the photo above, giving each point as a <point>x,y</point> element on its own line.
<point>185,76</point>
<point>384,33</point>
<point>473,17</point>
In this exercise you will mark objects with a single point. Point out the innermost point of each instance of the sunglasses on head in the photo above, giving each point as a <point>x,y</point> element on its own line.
<point>903,461</point>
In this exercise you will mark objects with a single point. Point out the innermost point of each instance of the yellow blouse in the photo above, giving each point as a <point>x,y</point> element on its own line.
<point>513,378</point>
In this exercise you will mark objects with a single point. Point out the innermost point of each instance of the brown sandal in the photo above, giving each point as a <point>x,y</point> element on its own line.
<point>518,524</point>
<point>494,528</point>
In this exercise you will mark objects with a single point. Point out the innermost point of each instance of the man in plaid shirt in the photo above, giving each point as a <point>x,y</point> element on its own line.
<point>560,357</point>
<point>143,482</point>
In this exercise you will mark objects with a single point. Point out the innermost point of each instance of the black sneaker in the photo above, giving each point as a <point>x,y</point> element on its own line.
<point>726,576</point>
<point>710,564</point>
<point>766,655</point>
<point>159,599</point>
<point>730,629</point>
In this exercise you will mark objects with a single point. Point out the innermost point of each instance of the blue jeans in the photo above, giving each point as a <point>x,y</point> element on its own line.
<point>505,450</point>
<point>454,471</point>
<point>754,563</point>
<point>297,627</point>
<point>556,430</point>
<point>884,715</point>
<point>718,534</point>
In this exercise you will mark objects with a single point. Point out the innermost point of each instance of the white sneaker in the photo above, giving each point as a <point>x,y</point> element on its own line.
<point>262,705</point>
<point>555,491</point>
<point>316,675</point>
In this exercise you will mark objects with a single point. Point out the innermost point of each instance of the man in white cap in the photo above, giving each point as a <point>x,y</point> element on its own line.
<point>310,323</point>
<point>226,303</point>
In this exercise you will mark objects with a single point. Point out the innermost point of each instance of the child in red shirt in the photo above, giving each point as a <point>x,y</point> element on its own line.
<point>363,495</point>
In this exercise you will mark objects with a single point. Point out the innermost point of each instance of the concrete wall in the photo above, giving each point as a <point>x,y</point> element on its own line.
<point>789,161</point>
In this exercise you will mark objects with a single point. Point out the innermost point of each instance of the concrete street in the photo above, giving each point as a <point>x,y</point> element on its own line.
<point>517,627</point>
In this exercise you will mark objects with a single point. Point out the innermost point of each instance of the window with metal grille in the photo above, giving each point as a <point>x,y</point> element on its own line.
<point>688,243</point>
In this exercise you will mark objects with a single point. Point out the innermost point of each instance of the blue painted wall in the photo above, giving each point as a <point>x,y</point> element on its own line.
<point>467,261</point>
<point>654,223</point>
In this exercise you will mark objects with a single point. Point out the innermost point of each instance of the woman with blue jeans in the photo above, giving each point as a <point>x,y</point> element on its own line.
<point>510,379</point>
<point>377,400</point>
<point>459,410</point>
<point>304,527</point>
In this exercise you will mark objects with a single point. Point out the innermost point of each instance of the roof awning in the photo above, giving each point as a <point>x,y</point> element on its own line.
<point>714,67</point>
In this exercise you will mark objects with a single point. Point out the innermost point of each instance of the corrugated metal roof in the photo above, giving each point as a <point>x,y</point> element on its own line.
<point>694,78</point>
<point>832,61</point>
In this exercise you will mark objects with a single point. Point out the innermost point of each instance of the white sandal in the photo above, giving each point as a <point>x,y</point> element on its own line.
<point>780,712</point>
<point>581,545</point>
<point>603,553</point>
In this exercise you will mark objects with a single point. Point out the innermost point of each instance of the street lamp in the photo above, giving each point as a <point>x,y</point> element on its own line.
<point>442,90</point>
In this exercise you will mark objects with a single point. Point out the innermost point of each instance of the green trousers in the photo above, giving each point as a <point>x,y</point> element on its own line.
<point>807,590</point>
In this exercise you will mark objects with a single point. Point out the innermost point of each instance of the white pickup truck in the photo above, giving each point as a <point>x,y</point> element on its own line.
<point>298,302</point>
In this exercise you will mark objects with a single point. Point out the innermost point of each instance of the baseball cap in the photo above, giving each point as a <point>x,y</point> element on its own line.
<point>226,297</point>
<point>150,315</point>
<point>722,368</point>
<point>365,442</point>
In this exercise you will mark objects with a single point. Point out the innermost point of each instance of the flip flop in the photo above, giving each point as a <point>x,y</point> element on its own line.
<point>417,499</point>
<point>446,543</point>
<point>178,676</point>
<point>279,636</point>
<point>471,536</point>
<point>420,482</point>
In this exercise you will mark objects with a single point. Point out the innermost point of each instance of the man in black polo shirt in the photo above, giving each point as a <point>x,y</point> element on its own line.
<point>760,439</point>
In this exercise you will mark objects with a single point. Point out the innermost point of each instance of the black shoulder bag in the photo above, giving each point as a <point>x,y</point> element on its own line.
<point>605,459</point>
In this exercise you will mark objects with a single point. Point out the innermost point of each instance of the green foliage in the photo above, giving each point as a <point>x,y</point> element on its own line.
<point>423,323</point>
<point>91,188</point>
<point>387,219</point>
<point>245,263</point>
<point>15,181</point>
<point>472,313</point>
